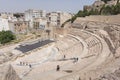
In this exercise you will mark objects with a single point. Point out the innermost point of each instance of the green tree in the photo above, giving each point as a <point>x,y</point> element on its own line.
<point>6,36</point>
<point>117,8</point>
<point>107,10</point>
<point>65,22</point>
<point>94,12</point>
<point>110,10</point>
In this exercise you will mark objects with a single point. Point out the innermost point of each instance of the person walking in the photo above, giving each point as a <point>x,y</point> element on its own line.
<point>58,68</point>
<point>76,59</point>
<point>64,56</point>
<point>20,63</point>
<point>30,66</point>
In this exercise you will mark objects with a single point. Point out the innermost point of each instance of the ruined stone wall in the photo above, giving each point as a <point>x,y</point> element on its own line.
<point>114,19</point>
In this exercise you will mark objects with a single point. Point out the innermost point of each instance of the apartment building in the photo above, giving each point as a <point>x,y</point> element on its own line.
<point>31,14</point>
<point>58,18</point>
<point>6,15</point>
<point>19,27</point>
<point>53,18</point>
<point>4,24</point>
<point>40,23</point>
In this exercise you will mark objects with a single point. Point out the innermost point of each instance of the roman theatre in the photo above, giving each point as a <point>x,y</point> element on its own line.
<point>87,49</point>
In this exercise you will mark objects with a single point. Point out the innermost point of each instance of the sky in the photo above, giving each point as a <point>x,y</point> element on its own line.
<point>71,6</point>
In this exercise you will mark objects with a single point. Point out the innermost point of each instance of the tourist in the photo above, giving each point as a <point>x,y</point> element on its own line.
<point>23,63</point>
<point>30,66</point>
<point>90,78</point>
<point>86,27</point>
<point>79,78</point>
<point>77,59</point>
<point>20,63</point>
<point>58,68</point>
<point>64,56</point>
<point>26,63</point>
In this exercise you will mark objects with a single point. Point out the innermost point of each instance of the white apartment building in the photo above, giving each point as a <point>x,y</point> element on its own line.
<point>40,23</point>
<point>52,18</point>
<point>31,14</point>
<point>4,24</point>
<point>58,18</point>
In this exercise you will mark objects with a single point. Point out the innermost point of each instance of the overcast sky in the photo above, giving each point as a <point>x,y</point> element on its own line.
<point>72,6</point>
